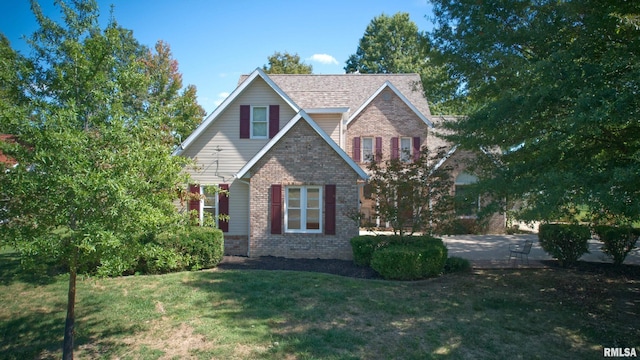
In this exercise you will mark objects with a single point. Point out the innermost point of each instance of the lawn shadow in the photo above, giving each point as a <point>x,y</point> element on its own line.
<point>12,271</point>
<point>499,313</point>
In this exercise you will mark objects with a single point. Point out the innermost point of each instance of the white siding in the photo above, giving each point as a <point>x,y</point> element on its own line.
<point>219,152</point>
<point>330,123</point>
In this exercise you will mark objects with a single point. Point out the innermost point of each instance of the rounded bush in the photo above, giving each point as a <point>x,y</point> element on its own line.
<point>618,241</point>
<point>412,258</point>
<point>200,247</point>
<point>565,242</point>
<point>364,246</point>
<point>457,264</point>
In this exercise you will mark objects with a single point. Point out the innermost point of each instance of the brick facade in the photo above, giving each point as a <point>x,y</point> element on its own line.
<point>386,116</point>
<point>302,157</point>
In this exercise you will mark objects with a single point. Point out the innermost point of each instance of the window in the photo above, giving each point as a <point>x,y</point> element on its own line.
<point>367,149</point>
<point>467,202</point>
<point>259,122</point>
<point>303,210</point>
<point>405,149</point>
<point>209,206</point>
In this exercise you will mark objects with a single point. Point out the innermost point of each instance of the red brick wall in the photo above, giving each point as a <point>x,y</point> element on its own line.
<point>302,157</point>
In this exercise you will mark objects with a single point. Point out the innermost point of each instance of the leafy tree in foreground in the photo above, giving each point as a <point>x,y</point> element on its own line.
<point>412,195</point>
<point>557,85</point>
<point>394,45</point>
<point>93,146</point>
<point>285,63</point>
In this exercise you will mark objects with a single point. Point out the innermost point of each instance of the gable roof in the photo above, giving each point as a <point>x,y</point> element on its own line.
<point>389,85</point>
<point>347,90</point>
<point>301,116</point>
<point>257,73</point>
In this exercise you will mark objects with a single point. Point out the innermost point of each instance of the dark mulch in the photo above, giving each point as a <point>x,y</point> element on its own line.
<point>350,269</point>
<point>337,267</point>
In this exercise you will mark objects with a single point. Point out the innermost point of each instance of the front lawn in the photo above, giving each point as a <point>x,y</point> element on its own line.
<point>253,314</point>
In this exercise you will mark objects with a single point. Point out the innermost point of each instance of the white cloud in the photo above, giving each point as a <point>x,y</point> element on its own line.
<point>323,59</point>
<point>221,97</point>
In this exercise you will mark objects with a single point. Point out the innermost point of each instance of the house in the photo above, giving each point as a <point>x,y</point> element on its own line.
<point>4,159</point>
<point>292,151</point>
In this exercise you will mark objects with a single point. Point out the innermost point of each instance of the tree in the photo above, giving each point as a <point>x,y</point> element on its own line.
<point>285,63</point>
<point>394,45</point>
<point>556,86</point>
<point>412,195</point>
<point>94,171</point>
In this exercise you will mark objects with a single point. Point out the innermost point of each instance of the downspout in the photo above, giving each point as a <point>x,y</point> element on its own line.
<point>248,216</point>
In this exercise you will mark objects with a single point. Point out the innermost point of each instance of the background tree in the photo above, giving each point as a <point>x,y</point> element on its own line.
<point>94,146</point>
<point>285,63</point>
<point>557,86</point>
<point>394,45</point>
<point>412,195</point>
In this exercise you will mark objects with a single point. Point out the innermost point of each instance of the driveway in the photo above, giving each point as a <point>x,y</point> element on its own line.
<point>493,250</point>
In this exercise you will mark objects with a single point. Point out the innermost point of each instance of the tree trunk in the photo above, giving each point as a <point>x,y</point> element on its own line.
<point>67,346</point>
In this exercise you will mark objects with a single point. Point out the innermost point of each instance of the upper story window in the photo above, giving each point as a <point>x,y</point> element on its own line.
<point>367,149</point>
<point>406,149</point>
<point>259,122</point>
<point>303,209</point>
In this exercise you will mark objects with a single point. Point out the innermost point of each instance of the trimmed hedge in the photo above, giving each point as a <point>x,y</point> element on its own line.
<point>193,248</point>
<point>618,241</point>
<point>409,258</point>
<point>565,242</point>
<point>364,246</point>
<point>456,264</point>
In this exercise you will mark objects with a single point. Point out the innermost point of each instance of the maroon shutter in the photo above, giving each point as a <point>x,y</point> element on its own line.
<point>245,121</point>
<point>356,149</point>
<point>276,209</point>
<point>378,149</point>
<point>395,149</point>
<point>274,120</point>
<point>223,208</point>
<point>194,199</point>
<point>416,148</point>
<point>330,209</point>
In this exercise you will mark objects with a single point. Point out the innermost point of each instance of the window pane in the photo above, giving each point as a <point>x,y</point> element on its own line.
<point>293,220</point>
<point>405,149</point>
<point>313,219</point>
<point>259,129</point>
<point>294,198</point>
<point>259,114</point>
<point>313,198</point>
<point>367,149</point>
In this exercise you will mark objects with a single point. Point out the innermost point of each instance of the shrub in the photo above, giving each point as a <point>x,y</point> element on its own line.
<point>410,258</point>
<point>456,264</point>
<point>618,241</point>
<point>364,246</point>
<point>564,242</point>
<point>200,247</point>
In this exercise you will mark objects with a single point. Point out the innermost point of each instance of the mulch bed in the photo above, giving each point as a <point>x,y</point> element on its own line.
<point>350,269</point>
<point>337,267</point>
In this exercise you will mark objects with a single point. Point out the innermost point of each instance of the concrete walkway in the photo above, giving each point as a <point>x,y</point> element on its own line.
<point>492,251</point>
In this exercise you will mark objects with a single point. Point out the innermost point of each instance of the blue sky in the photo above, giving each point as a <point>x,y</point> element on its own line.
<point>216,41</point>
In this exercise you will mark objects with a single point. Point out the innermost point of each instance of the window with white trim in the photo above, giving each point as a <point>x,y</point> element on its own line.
<point>406,149</point>
<point>209,205</point>
<point>259,122</point>
<point>467,203</point>
<point>303,209</point>
<point>367,149</point>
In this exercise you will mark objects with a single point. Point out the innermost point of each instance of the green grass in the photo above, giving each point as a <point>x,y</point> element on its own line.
<point>502,314</point>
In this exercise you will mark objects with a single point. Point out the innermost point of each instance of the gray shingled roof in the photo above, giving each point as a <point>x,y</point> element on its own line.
<point>346,90</point>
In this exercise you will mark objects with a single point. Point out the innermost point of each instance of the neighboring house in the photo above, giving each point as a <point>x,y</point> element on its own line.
<point>4,159</point>
<point>292,151</point>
